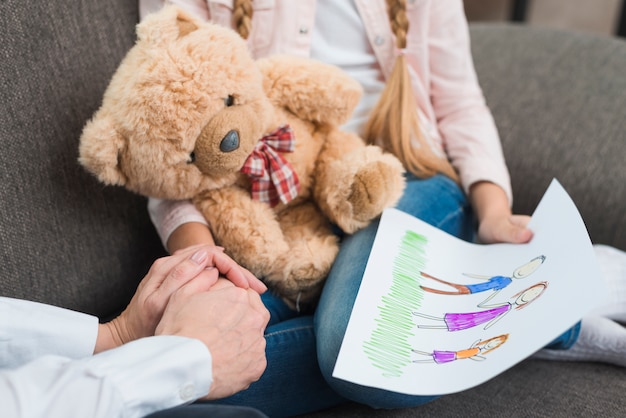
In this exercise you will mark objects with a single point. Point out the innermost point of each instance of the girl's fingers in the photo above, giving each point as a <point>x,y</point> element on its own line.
<point>520,233</point>
<point>511,229</point>
<point>519,220</point>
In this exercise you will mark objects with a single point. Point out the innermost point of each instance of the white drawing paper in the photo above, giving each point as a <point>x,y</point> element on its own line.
<point>406,334</point>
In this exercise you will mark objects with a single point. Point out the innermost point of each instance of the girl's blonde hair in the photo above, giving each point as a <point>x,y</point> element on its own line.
<point>394,121</point>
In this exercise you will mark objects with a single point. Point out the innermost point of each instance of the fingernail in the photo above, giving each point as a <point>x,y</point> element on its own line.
<point>199,256</point>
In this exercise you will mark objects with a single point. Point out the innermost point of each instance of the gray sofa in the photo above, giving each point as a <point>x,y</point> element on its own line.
<point>558,98</point>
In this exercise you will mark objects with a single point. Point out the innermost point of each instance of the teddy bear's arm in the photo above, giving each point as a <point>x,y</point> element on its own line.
<point>310,89</point>
<point>291,251</point>
<point>248,230</point>
<point>355,182</point>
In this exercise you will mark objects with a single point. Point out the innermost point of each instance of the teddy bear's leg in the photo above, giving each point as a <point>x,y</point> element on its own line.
<point>298,276</point>
<point>248,230</point>
<point>355,182</point>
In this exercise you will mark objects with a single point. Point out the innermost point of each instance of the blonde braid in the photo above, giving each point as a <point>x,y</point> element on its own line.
<point>242,17</point>
<point>399,22</point>
<point>394,121</point>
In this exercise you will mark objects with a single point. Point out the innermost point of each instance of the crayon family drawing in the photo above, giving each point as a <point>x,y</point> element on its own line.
<point>436,315</point>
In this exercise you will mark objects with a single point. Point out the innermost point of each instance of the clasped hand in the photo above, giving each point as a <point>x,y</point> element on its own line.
<point>183,295</point>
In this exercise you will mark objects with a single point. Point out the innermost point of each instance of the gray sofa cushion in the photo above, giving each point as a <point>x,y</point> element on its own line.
<point>559,101</point>
<point>64,238</point>
<point>533,388</point>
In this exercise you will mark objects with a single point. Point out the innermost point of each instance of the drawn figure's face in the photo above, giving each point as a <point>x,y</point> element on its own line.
<point>494,343</point>
<point>530,294</point>
<point>528,268</point>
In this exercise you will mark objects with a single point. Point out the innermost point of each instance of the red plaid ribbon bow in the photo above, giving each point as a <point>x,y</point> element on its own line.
<point>273,178</point>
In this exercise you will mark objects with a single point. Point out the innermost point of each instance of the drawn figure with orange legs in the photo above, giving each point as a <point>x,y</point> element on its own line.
<point>475,352</point>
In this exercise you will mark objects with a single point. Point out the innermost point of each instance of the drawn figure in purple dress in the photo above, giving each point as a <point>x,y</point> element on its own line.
<point>489,316</point>
<point>495,283</point>
<point>475,352</point>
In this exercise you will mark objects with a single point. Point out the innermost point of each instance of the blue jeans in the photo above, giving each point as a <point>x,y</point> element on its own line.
<point>292,383</point>
<point>437,201</point>
<point>302,349</point>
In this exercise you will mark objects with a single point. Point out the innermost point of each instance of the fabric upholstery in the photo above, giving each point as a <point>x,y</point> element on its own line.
<point>64,238</point>
<point>534,388</point>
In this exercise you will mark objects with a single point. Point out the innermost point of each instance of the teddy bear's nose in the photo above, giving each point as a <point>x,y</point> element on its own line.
<point>230,142</point>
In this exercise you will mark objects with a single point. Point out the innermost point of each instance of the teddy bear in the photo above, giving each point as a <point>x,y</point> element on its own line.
<point>255,144</point>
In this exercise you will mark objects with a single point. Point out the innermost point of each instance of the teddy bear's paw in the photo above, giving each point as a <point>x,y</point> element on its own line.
<point>302,299</point>
<point>369,192</point>
<point>302,273</point>
<point>298,277</point>
<point>376,186</point>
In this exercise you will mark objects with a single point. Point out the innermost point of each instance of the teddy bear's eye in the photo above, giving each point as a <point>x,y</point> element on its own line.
<point>192,158</point>
<point>229,101</point>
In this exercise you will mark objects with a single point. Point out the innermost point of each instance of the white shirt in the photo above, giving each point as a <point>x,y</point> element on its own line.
<point>340,38</point>
<point>47,367</point>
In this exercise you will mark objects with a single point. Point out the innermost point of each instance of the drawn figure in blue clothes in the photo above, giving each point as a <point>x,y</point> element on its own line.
<point>489,316</point>
<point>495,283</point>
<point>475,352</point>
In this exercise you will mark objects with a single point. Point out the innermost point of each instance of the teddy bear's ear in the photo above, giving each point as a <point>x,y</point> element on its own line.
<point>166,25</point>
<point>99,150</point>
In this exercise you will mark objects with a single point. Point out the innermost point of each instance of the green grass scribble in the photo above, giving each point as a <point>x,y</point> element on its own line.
<point>388,348</point>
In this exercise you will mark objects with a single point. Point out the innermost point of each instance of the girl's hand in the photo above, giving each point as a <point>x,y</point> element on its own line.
<point>507,228</point>
<point>496,223</point>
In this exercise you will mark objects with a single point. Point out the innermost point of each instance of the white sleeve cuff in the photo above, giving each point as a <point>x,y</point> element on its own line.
<point>156,373</point>
<point>130,381</point>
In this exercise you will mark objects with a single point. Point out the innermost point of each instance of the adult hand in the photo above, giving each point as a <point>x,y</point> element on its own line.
<point>496,222</point>
<point>230,321</point>
<point>166,276</point>
<point>239,275</point>
<point>194,233</point>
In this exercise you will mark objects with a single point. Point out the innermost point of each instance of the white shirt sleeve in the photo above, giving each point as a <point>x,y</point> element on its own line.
<point>47,368</point>
<point>29,330</point>
<point>167,215</point>
<point>133,380</point>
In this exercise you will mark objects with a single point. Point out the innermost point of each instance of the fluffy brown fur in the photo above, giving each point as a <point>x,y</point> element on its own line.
<point>167,101</point>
